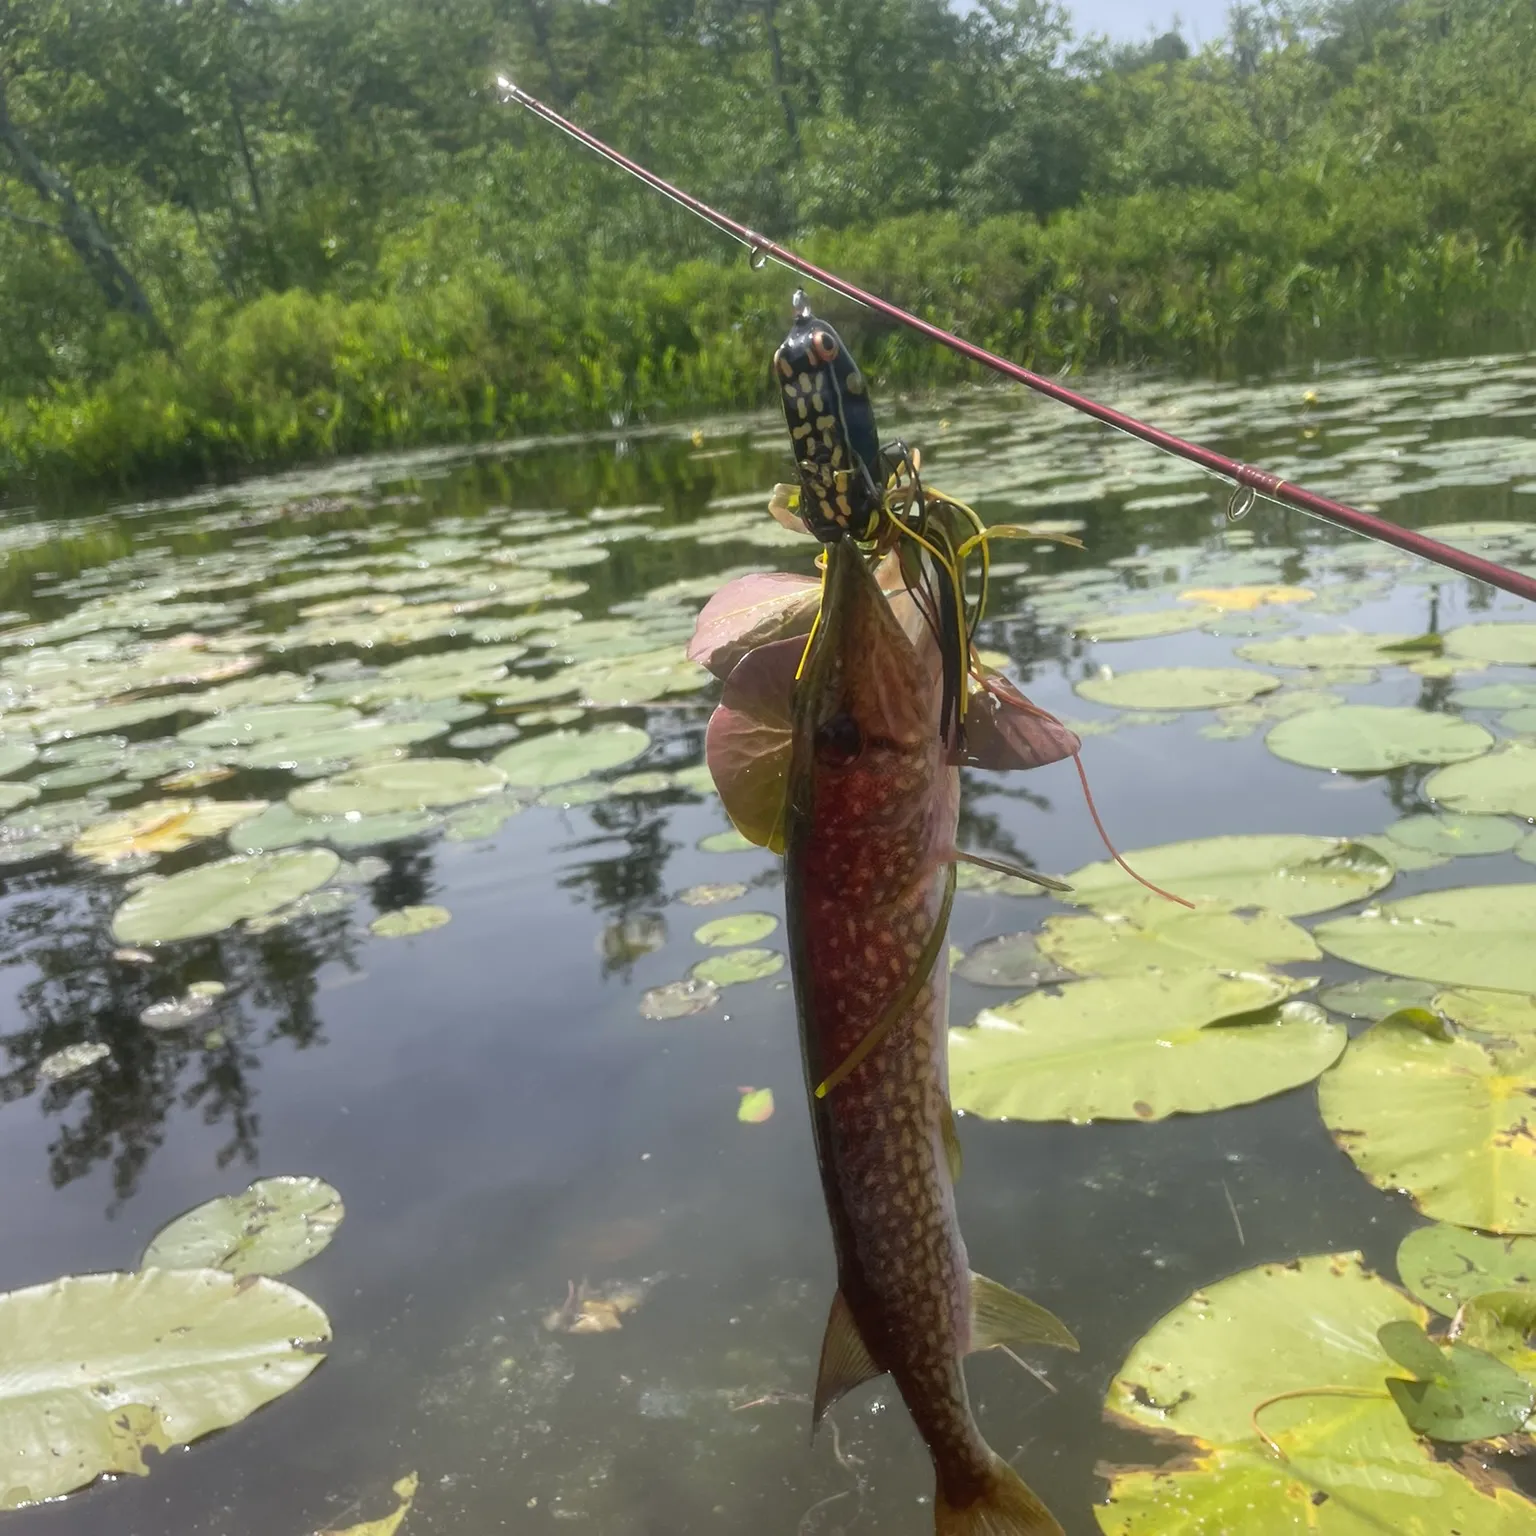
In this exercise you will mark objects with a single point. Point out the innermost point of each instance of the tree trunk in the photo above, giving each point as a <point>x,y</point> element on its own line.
<point>80,226</point>
<point>776,68</point>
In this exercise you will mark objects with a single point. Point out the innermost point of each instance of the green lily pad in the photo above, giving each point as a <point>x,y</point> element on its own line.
<point>215,896</point>
<point>414,784</point>
<point>1472,936</point>
<point>1399,856</point>
<point>16,755</point>
<point>478,736</point>
<point>1177,687</point>
<point>561,757</point>
<point>712,895</point>
<point>738,966</point>
<point>90,1382</point>
<point>740,928</point>
<point>1440,1117</point>
<point>1290,874</point>
<point>1456,836</point>
<point>273,1226</point>
<point>1502,784</point>
<point>12,795</point>
<point>1143,626</point>
<point>1521,721</point>
<point>1377,996</point>
<point>1010,960</point>
<point>264,722</point>
<point>1446,1266</point>
<point>1140,1047</point>
<point>344,744</point>
<point>1327,651</point>
<point>1504,1324</point>
<point>728,841</point>
<point>484,818</point>
<point>1165,937</point>
<point>1458,1393</point>
<point>679,999</point>
<point>1498,696</point>
<point>564,796</point>
<point>1348,1463</point>
<point>1371,738</point>
<point>1500,644</point>
<point>324,903</point>
<point>406,921</point>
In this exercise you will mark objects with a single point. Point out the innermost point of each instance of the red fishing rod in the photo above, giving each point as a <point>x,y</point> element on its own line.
<point>1248,480</point>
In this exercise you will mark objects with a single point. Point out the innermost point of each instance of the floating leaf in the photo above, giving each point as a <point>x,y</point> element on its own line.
<point>1011,960</point>
<point>738,966</point>
<point>1503,783</point>
<point>388,1525</point>
<point>1456,836</point>
<point>483,818</point>
<point>71,1059</point>
<point>12,795</point>
<point>415,784</point>
<point>1140,1048</point>
<point>1446,1266</point>
<point>1177,687</point>
<point>161,826</point>
<point>740,928</point>
<point>756,1105</point>
<point>1442,1119</point>
<point>677,999</point>
<point>177,1013</point>
<point>16,755</point>
<point>1472,936</point>
<point>1371,738</point>
<point>216,896</point>
<point>728,841</point>
<point>561,757</point>
<point>711,895</point>
<point>1143,626</point>
<point>1243,599</point>
<point>1291,1348</point>
<point>1162,936</point>
<point>1290,874</point>
<point>1498,696</point>
<point>273,1226</point>
<point>1501,644</point>
<point>90,1383</point>
<point>404,922</point>
<point>1334,649</point>
<point>1377,996</point>
<point>1504,1324</point>
<point>1458,1393</point>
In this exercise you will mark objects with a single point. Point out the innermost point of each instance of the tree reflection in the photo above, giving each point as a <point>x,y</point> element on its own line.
<point>116,1111</point>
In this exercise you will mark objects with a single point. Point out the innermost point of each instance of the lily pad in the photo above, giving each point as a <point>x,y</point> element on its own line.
<point>1140,1048</point>
<point>177,1013</point>
<point>1456,836</point>
<point>1501,644</point>
<point>16,755</point>
<point>406,921</point>
<point>1165,937</point>
<point>414,784</point>
<point>561,757</point>
<point>273,1226</point>
<point>1290,874</point>
<point>161,826</point>
<point>1457,1392</point>
<point>1177,687</point>
<point>1446,1266</point>
<point>1010,960</point>
<point>1371,738</point>
<point>387,1525</point>
<point>1245,599</point>
<point>678,999</point>
<point>1290,1350</point>
<point>215,896</point>
<point>1498,696</point>
<point>1472,936</point>
<point>1327,651</point>
<point>728,841</point>
<point>756,1105</point>
<point>1440,1117</point>
<point>712,895</point>
<point>58,1065</point>
<point>1502,784</point>
<point>740,928</point>
<point>90,1384</point>
<point>1143,626</point>
<point>1377,996</point>
<point>738,966</point>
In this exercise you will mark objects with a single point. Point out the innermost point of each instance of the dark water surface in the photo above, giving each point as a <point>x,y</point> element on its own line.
<point>500,1118</point>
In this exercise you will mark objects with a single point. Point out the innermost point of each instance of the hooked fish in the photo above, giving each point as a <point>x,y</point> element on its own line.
<point>870,820</point>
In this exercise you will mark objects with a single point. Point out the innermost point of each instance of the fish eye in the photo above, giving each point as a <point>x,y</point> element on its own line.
<point>840,741</point>
<point>824,345</point>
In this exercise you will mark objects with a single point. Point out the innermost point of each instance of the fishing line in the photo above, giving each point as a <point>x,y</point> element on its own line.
<point>1248,480</point>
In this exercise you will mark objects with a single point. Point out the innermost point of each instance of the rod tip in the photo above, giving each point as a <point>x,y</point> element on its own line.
<point>509,92</point>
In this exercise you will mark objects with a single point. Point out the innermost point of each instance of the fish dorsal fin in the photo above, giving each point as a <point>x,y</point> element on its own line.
<point>1002,867</point>
<point>951,1141</point>
<point>845,1362</point>
<point>1001,1316</point>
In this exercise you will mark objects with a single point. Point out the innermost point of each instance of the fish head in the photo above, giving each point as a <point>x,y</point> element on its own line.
<point>866,756</point>
<point>831,429</point>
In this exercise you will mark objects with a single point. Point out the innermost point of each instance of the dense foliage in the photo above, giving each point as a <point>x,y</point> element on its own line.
<point>246,232</point>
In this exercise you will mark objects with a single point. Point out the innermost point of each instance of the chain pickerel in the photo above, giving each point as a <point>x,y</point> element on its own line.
<point>869,836</point>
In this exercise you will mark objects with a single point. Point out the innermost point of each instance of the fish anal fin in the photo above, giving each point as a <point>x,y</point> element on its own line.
<point>1006,1506</point>
<point>951,1142</point>
<point>1001,1316</point>
<point>845,1360</point>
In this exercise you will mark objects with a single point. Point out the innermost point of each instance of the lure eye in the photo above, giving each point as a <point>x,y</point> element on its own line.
<point>839,742</point>
<point>824,345</point>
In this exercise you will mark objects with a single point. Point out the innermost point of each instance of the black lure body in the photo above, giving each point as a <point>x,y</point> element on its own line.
<point>832,429</point>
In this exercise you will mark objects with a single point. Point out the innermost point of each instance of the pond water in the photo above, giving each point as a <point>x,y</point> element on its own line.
<point>499,1116</point>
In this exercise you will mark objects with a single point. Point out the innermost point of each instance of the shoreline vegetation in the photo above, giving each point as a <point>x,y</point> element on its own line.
<point>328,238</point>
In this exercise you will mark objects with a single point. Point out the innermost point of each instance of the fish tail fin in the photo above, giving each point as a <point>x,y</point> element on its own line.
<point>1005,1507</point>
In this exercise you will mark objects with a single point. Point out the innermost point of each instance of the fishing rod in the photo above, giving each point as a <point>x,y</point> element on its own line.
<point>1248,480</point>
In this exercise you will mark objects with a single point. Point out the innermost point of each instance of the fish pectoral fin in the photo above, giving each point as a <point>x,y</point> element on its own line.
<point>1001,1316</point>
<point>1002,867</point>
<point>951,1141</point>
<point>845,1361</point>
